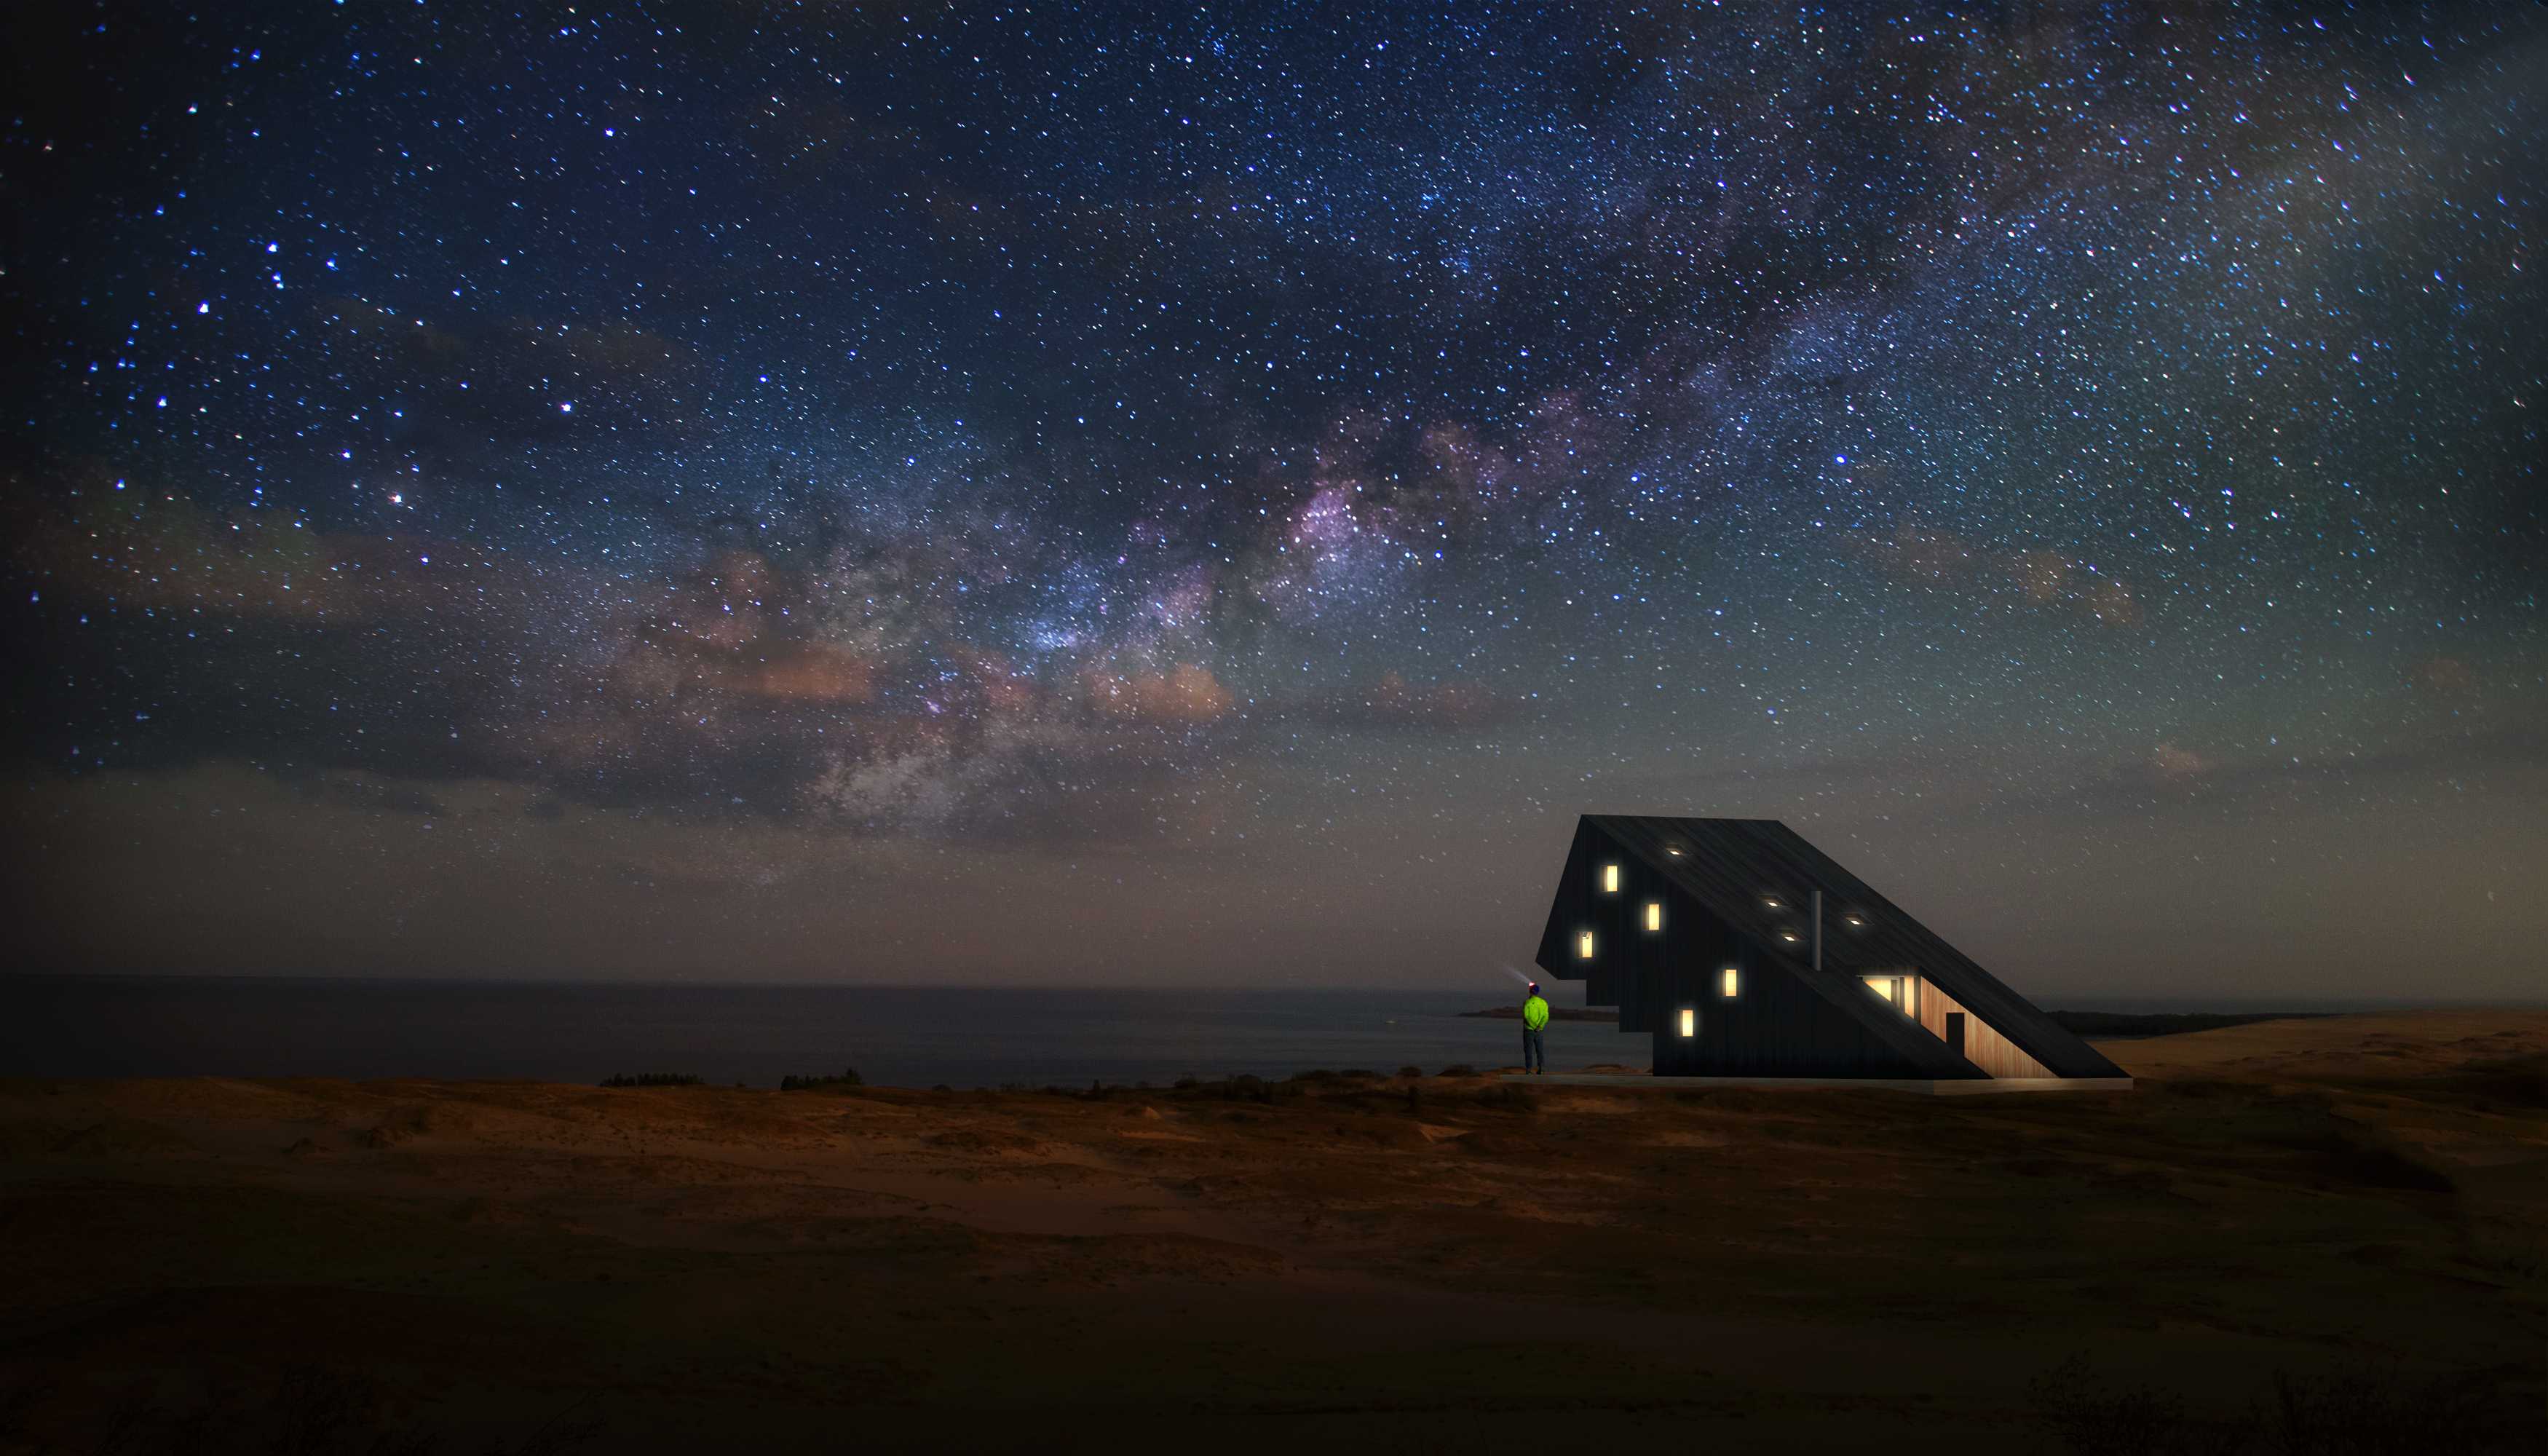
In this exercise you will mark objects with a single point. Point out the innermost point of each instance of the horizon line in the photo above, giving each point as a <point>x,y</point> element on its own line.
<point>2330,1005</point>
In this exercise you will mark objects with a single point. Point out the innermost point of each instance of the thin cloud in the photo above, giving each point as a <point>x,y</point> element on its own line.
<point>2034,579</point>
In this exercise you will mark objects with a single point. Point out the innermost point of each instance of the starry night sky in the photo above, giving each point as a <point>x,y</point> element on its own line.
<point>972,493</point>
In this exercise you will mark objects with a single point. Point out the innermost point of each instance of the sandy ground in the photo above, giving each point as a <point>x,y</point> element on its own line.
<point>1412,1264</point>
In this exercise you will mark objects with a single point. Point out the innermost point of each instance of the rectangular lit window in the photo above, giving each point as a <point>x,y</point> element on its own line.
<point>1732,980</point>
<point>1653,915</point>
<point>1688,1022</point>
<point>1583,946</point>
<point>1894,988</point>
<point>1609,879</point>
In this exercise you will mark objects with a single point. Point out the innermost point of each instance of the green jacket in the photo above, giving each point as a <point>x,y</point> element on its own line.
<point>1534,1012</point>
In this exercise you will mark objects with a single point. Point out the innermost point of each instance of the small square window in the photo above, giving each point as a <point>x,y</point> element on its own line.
<point>1690,1021</point>
<point>1733,982</point>
<point>1583,946</point>
<point>1653,915</point>
<point>1609,879</point>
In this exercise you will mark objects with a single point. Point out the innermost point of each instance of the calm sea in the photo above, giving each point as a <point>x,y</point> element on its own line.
<point>914,1037</point>
<point>897,1035</point>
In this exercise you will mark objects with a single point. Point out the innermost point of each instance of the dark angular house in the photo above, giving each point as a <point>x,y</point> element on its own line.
<point>1748,954</point>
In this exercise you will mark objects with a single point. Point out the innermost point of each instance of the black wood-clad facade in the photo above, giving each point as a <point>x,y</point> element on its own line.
<point>1738,893</point>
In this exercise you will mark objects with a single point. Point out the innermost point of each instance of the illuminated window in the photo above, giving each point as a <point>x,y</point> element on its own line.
<point>1653,915</point>
<point>1609,879</point>
<point>1733,982</point>
<point>1689,1021</point>
<point>1583,946</point>
<point>1898,989</point>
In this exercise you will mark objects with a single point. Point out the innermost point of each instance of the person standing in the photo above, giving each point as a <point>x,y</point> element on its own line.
<point>1534,1022</point>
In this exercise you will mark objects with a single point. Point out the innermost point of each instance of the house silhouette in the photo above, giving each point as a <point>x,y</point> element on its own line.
<point>1748,955</point>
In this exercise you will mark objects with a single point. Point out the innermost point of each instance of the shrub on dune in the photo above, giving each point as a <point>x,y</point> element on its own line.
<point>849,1077</point>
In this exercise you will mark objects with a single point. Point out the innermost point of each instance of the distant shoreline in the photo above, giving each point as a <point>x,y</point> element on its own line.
<point>2107,1026</point>
<point>2125,1026</point>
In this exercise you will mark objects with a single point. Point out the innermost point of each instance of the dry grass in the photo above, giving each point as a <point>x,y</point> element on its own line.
<point>1341,1258</point>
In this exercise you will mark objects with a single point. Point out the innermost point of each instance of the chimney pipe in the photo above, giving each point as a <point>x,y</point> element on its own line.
<point>1818,930</point>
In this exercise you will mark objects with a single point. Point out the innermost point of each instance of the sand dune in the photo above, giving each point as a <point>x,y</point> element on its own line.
<point>1413,1263</point>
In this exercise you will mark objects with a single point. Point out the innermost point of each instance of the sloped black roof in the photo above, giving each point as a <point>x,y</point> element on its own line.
<point>1736,867</point>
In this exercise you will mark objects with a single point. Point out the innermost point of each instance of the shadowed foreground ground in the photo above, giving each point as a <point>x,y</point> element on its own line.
<point>311,1265</point>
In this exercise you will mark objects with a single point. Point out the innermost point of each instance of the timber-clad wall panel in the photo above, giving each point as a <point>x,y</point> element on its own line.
<point>1984,1047</point>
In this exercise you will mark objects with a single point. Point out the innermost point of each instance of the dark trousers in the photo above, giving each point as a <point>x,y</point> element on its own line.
<point>1533,1054</point>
